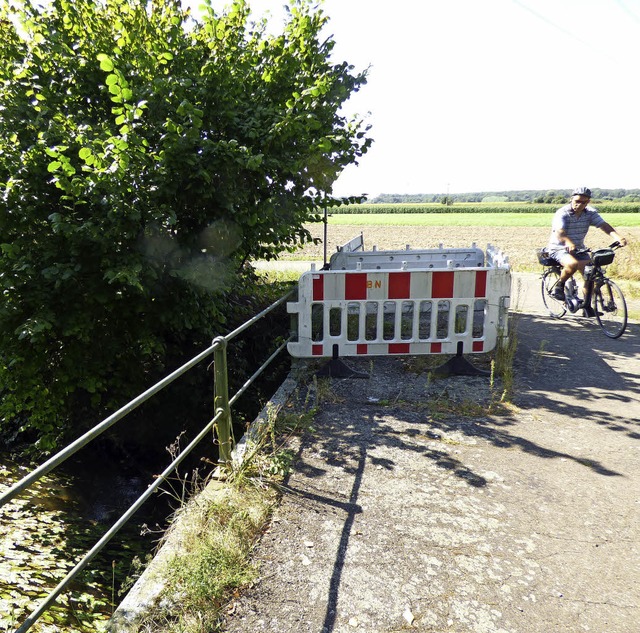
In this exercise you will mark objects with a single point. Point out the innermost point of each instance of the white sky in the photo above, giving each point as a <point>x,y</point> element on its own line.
<point>486,95</point>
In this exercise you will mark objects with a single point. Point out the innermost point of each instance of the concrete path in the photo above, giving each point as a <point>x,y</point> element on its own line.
<point>411,510</point>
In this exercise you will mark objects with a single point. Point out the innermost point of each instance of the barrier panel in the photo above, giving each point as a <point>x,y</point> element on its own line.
<point>430,305</point>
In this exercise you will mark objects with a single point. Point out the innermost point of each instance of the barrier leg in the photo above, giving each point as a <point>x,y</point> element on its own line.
<point>336,368</point>
<point>459,366</point>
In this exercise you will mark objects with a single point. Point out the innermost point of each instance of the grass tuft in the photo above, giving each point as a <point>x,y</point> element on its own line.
<point>214,561</point>
<point>502,364</point>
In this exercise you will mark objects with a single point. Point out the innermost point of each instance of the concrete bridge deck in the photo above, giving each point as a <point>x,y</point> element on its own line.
<point>410,509</point>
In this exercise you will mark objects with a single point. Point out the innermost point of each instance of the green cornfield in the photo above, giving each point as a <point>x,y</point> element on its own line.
<point>502,219</point>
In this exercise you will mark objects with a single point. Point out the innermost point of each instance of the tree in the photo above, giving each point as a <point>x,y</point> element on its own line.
<point>144,157</point>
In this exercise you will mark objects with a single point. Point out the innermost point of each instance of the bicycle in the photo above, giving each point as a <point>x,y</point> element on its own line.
<point>602,297</point>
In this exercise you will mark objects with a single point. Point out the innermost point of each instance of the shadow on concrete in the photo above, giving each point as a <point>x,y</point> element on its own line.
<point>563,367</point>
<point>350,445</point>
<point>572,369</point>
<point>347,445</point>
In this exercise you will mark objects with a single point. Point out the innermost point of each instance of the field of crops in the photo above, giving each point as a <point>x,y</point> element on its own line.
<point>475,207</point>
<point>516,240</point>
<point>505,219</point>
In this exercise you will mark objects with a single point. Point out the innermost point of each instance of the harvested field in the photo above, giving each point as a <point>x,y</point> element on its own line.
<point>517,243</point>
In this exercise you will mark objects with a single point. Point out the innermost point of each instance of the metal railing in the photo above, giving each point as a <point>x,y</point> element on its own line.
<point>220,424</point>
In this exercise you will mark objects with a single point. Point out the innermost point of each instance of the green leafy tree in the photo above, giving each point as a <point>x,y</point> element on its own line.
<point>144,158</point>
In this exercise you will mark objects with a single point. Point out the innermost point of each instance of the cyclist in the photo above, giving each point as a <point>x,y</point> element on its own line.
<point>568,230</point>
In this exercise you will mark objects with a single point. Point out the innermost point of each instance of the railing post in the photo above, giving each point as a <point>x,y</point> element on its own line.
<point>221,398</point>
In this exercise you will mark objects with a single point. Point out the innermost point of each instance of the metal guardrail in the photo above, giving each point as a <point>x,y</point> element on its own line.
<point>221,423</point>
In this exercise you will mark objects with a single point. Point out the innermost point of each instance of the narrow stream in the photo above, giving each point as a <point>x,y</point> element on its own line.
<point>47,530</point>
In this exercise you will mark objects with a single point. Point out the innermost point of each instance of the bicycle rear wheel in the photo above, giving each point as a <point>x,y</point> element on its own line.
<point>611,309</point>
<point>556,308</point>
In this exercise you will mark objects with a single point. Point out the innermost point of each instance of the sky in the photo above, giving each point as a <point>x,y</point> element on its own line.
<point>489,95</point>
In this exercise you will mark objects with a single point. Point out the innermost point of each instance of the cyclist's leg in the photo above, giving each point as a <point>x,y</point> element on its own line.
<point>568,266</point>
<point>571,264</point>
<point>583,261</point>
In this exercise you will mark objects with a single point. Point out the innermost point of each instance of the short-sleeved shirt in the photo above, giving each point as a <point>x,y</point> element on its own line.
<point>575,227</point>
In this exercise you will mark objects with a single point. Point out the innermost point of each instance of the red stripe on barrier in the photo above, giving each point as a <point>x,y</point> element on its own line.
<point>318,288</point>
<point>481,283</point>
<point>477,346</point>
<point>399,285</point>
<point>361,348</point>
<point>436,348</point>
<point>442,287</point>
<point>316,350</point>
<point>355,286</point>
<point>398,348</point>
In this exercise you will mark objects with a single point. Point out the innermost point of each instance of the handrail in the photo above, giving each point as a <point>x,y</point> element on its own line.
<point>222,413</point>
<point>97,430</point>
<point>88,557</point>
<point>107,423</point>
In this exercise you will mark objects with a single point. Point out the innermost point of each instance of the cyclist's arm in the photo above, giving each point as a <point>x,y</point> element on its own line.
<point>563,238</point>
<point>610,231</point>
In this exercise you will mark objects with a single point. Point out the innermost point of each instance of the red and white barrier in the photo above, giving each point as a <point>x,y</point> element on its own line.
<point>405,311</point>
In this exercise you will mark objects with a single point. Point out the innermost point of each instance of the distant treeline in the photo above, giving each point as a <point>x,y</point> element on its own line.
<point>550,196</point>
<point>604,207</point>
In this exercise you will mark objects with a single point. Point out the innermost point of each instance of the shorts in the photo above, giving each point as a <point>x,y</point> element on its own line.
<point>559,255</point>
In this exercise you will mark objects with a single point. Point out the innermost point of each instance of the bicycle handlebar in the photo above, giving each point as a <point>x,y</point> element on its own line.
<point>615,246</point>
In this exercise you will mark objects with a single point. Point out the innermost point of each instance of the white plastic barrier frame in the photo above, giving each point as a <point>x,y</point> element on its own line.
<point>347,259</point>
<point>409,311</point>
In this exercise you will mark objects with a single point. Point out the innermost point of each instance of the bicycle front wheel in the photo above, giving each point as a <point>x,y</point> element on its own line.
<point>611,309</point>
<point>556,308</point>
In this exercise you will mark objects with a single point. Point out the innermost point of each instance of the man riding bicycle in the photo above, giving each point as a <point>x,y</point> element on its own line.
<point>568,230</point>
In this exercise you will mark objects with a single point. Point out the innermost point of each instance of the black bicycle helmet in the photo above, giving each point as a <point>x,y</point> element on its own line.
<point>582,191</point>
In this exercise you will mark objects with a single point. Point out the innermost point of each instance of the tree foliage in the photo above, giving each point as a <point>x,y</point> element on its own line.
<point>144,157</point>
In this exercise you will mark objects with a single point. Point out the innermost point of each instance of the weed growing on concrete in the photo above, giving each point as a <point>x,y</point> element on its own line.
<point>217,537</point>
<point>219,529</point>
<point>136,570</point>
<point>180,487</point>
<point>538,356</point>
<point>444,406</point>
<point>502,364</point>
<point>321,387</point>
<point>503,356</point>
<point>421,364</point>
<point>268,457</point>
